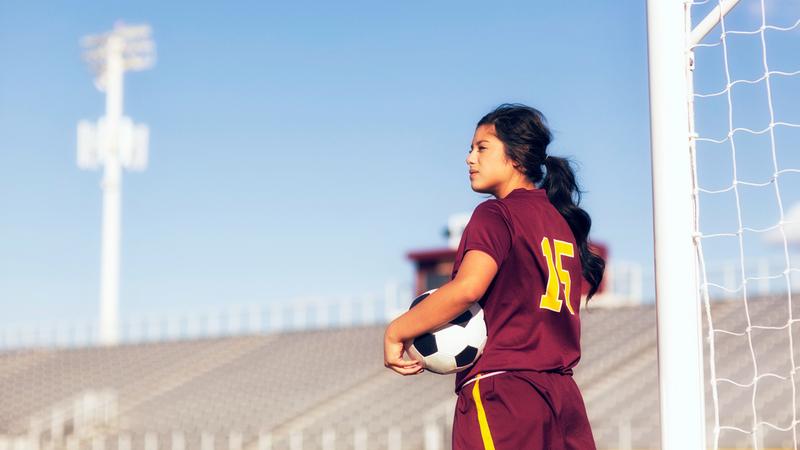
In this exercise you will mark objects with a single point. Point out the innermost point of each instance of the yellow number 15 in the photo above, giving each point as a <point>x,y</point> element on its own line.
<point>556,275</point>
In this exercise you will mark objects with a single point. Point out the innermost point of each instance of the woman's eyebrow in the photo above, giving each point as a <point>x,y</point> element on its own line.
<point>482,140</point>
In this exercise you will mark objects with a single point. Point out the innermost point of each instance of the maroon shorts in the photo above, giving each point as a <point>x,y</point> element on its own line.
<point>521,410</point>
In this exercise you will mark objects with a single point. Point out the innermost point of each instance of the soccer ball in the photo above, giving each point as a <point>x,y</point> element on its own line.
<point>455,345</point>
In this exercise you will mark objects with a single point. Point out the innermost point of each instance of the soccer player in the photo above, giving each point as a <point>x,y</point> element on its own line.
<point>523,256</point>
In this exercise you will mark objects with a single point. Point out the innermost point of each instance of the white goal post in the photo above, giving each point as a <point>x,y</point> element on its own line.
<point>680,357</point>
<point>679,317</point>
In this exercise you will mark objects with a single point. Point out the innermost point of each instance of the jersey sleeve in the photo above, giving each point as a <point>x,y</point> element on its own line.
<point>489,230</point>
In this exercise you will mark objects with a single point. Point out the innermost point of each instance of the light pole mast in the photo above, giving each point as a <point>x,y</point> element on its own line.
<point>114,142</point>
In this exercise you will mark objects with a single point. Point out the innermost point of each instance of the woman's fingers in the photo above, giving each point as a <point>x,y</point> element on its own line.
<point>404,367</point>
<point>404,363</point>
<point>407,370</point>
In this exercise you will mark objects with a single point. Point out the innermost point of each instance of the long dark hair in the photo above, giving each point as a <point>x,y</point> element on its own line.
<point>525,135</point>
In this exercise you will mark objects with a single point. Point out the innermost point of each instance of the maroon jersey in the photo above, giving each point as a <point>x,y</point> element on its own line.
<point>532,305</point>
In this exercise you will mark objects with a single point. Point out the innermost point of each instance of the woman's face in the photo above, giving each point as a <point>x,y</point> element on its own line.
<point>489,167</point>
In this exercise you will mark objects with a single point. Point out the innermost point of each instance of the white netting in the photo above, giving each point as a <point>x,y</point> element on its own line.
<point>745,139</point>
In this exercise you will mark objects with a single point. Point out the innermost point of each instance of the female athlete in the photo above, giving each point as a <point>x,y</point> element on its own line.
<point>523,256</point>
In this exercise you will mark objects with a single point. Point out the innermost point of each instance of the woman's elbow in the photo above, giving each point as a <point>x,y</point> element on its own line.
<point>469,291</point>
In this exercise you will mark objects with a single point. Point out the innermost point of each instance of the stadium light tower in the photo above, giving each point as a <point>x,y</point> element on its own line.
<point>114,142</point>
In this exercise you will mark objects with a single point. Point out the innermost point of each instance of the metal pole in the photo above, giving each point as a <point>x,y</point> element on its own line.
<point>680,353</point>
<point>116,143</point>
<point>112,205</point>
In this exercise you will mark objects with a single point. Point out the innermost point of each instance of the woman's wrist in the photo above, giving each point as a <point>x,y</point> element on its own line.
<point>391,332</point>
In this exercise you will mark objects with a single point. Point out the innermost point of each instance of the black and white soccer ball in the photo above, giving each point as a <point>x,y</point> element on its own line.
<point>454,346</point>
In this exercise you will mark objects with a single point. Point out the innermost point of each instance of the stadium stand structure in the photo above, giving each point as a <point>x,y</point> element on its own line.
<point>331,384</point>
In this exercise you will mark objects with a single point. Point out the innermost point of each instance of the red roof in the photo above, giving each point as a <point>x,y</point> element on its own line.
<point>431,255</point>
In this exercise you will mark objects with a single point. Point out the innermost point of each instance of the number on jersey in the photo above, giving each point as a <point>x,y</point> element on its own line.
<point>556,275</point>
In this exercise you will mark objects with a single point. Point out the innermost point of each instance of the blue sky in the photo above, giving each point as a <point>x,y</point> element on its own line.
<point>300,148</point>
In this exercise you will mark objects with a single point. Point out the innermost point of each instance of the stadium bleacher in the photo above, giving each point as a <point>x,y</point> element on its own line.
<point>331,384</point>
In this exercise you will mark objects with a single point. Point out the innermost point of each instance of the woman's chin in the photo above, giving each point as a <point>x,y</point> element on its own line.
<point>480,189</point>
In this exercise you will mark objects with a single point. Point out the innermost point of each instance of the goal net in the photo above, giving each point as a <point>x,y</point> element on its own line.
<point>743,79</point>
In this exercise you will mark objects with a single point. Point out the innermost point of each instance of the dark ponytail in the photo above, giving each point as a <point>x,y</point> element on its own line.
<point>560,184</point>
<point>524,132</point>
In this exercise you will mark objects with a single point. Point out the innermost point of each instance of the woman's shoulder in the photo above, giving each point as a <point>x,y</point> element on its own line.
<point>493,206</point>
<point>493,210</point>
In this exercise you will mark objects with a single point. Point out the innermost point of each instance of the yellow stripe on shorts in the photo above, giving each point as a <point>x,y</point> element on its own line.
<point>486,435</point>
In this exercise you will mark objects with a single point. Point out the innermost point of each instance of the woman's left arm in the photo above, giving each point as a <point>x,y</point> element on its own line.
<point>472,280</point>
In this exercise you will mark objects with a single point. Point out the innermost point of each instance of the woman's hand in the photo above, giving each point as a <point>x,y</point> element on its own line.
<point>393,350</point>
